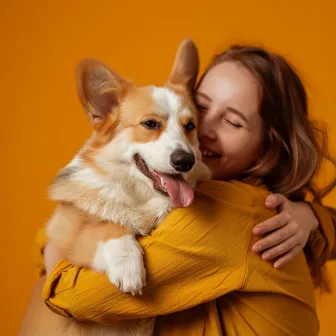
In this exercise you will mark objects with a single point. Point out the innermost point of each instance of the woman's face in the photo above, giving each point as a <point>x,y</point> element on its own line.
<point>231,130</point>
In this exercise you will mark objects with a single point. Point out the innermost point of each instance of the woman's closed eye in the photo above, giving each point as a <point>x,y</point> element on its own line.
<point>201,108</point>
<point>233,123</point>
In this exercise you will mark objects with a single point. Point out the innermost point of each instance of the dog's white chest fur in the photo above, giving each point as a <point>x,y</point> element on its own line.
<point>118,199</point>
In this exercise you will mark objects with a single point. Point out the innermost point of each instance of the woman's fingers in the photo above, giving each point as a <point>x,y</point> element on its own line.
<point>280,249</point>
<point>271,224</point>
<point>275,200</point>
<point>274,238</point>
<point>288,256</point>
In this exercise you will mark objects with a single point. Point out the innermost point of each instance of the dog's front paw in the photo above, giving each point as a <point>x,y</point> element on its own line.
<point>124,264</point>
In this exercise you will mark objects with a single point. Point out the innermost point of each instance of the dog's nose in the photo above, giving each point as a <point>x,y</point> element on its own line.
<point>182,161</point>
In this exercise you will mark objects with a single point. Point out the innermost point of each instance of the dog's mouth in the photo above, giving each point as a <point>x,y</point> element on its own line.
<point>173,186</point>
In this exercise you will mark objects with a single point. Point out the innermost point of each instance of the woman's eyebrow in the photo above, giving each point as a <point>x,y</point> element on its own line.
<point>203,95</point>
<point>235,111</point>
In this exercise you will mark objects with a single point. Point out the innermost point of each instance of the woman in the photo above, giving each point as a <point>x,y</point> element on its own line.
<point>204,278</point>
<point>266,68</point>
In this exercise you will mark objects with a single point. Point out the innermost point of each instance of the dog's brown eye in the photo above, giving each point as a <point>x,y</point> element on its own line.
<point>190,126</point>
<point>151,124</point>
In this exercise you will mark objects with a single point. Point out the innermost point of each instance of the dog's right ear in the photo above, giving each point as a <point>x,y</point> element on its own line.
<point>186,66</point>
<point>99,89</point>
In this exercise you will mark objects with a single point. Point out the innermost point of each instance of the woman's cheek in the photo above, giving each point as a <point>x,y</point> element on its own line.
<point>234,144</point>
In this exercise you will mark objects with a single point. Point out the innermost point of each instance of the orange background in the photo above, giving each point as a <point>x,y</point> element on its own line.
<point>42,123</point>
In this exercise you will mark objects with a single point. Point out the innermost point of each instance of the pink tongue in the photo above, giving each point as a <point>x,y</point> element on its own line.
<point>179,190</point>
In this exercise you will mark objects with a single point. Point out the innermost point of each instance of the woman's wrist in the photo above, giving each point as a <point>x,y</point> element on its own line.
<point>315,223</point>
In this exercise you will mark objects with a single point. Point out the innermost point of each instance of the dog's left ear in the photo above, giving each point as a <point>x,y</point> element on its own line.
<point>186,65</point>
<point>100,90</point>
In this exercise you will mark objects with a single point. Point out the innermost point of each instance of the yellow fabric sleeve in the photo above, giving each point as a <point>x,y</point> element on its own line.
<point>273,301</point>
<point>322,240</point>
<point>182,258</point>
<point>202,272</point>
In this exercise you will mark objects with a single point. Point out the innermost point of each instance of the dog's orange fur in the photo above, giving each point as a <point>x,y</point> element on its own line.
<point>77,234</point>
<point>141,98</point>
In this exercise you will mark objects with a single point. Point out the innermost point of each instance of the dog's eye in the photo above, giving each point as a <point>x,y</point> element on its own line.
<point>190,126</point>
<point>151,124</point>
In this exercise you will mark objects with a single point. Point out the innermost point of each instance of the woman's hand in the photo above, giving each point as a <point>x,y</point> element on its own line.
<point>286,233</point>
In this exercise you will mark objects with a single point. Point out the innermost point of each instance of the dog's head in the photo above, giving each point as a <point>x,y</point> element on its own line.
<point>150,129</point>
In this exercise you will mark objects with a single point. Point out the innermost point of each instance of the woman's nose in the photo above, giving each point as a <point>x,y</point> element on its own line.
<point>206,128</point>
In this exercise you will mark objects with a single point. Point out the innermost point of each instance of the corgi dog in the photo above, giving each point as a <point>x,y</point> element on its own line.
<point>142,161</point>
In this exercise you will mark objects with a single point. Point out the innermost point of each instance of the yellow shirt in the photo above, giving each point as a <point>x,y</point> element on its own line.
<point>202,277</point>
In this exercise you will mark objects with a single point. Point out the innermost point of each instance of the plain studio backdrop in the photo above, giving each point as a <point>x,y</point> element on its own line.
<point>42,124</point>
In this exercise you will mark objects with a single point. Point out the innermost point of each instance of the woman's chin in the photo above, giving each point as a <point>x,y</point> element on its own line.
<point>218,170</point>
